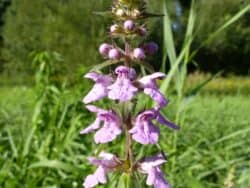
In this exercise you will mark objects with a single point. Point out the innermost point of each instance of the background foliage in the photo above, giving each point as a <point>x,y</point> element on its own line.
<point>69,28</point>
<point>66,27</point>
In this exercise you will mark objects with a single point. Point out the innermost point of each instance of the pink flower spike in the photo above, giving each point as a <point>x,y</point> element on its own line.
<point>123,89</point>
<point>99,90</point>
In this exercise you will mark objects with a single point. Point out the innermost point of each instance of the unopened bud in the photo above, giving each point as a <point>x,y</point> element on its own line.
<point>114,28</point>
<point>129,25</point>
<point>151,48</point>
<point>142,31</point>
<point>114,54</point>
<point>104,49</point>
<point>139,53</point>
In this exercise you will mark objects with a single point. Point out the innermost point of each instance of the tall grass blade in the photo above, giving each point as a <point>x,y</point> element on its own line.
<point>59,165</point>
<point>170,75</point>
<point>28,140</point>
<point>169,47</point>
<point>230,136</point>
<point>12,144</point>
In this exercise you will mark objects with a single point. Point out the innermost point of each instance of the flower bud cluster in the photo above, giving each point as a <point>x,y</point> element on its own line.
<point>137,54</point>
<point>123,87</point>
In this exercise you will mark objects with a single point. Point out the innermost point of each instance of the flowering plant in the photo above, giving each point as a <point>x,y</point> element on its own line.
<point>123,87</point>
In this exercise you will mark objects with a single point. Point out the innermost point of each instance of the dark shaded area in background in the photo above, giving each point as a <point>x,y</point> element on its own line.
<point>231,55</point>
<point>3,7</point>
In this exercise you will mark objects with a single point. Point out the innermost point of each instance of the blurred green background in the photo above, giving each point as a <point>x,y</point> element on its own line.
<point>70,28</point>
<point>41,113</point>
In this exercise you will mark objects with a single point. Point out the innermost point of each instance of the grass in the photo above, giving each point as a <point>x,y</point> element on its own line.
<point>233,85</point>
<point>212,145</point>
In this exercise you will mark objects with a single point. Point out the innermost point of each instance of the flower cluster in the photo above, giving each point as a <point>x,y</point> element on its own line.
<point>123,87</point>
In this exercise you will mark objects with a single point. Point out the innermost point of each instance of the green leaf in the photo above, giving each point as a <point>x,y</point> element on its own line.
<point>59,165</point>
<point>125,181</point>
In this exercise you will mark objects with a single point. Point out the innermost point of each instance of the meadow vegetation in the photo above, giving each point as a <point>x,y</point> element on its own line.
<point>212,144</point>
<point>43,55</point>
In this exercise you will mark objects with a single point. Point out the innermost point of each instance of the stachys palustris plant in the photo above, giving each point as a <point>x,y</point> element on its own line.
<point>123,85</point>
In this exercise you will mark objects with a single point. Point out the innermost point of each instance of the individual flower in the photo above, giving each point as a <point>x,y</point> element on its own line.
<point>150,48</point>
<point>111,125</point>
<point>151,167</point>
<point>144,131</point>
<point>149,85</point>
<point>99,90</point>
<point>123,89</point>
<point>114,54</point>
<point>104,49</point>
<point>139,54</point>
<point>106,163</point>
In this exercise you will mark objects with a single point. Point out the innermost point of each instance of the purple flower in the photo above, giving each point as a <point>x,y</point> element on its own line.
<point>139,54</point>
<point>150,88</point>
<point>129,25</point>
<point>99,90</point>
<point>104,49</point>
<point>151,48</point>
<point>151,167</point>
<point>114,54</point>
<point>107,162</point>
<point>111,125</point>
<point>144,131</point>
<point>123,89</point>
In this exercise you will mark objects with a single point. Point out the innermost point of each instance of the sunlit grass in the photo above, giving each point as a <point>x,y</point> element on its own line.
<point>213,140</point>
